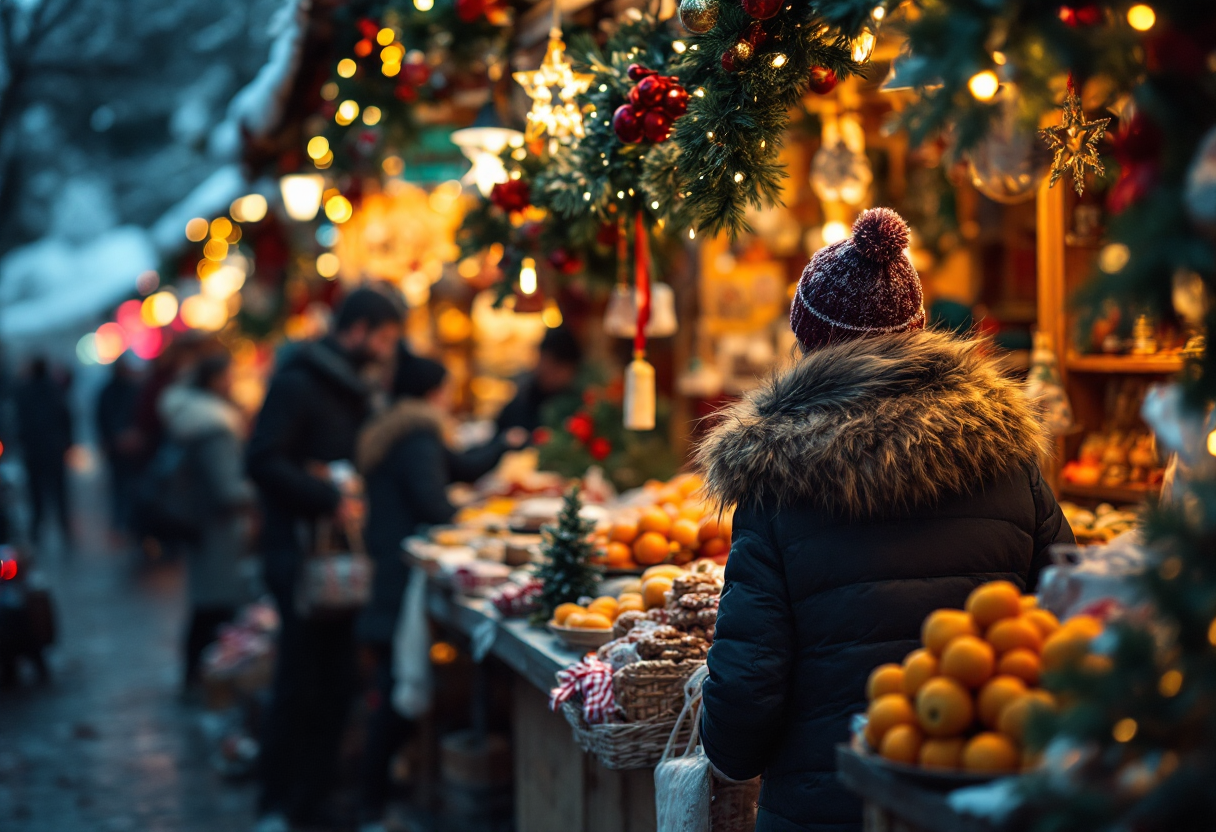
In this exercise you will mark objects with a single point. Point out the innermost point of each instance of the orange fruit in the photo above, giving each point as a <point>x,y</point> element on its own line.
<point>1021,663</point>
<point>594,621</point>
<point>1086,624</point>
<point>1012,633</point>
<point>1064,647</point>
<point>651,548</point>
<point>684,532</point>
<point>884,679</point>
<point>969,660</point>
<point>575,620</point>
<point>1044,621</point>
<point>710,528</point>
<point>943,707</point>
<point>605,605</point>
<point>941,752</point>
<point>901,744</point>
<point>714,547</point>
<point>991,752</point>
<point>564,611</point>
<point>943,625</point>
<point>619,554</point>
<point>886,712</point>
<point>689,484</point>
<point>666,570</point>
<point>631,601</point>
<point>990,602</point>
<point>919,667</point>
<point>693,510</point>
<point>1013,717</point>
<point>998,692</point>
<point>1029,602</point>
<point>623,531</point>
<point>654,591</point>
<point>654,519</point>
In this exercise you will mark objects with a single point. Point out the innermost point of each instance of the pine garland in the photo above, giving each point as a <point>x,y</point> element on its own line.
<point>567,571</point>
<point>736,121</point>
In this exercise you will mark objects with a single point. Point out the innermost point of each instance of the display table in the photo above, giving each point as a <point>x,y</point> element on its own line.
<point>558,787</point>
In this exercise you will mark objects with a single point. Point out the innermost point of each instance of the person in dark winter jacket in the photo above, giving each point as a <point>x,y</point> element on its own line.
<point>315,406</point>
<point>885,475</point>
<point>202,419</point>
<point>551,383</point>
<point>407,468</point>
<point>119,440</point>
<point>44,428</point>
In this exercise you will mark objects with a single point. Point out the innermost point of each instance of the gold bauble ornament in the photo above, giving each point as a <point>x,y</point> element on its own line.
<point>699,16</point>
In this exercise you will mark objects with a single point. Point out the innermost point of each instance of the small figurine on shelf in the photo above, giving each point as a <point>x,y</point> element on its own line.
<point>1144,340</point>
<point>1114,461</point>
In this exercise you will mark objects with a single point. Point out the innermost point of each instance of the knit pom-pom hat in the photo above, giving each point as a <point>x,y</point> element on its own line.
<point>861,286</point>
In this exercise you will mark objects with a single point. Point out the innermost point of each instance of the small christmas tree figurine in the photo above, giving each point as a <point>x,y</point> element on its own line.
<point>567,571</point>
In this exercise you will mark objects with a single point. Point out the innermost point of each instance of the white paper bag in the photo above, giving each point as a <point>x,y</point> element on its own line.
<point>413,685</point>
<point>682,784</point>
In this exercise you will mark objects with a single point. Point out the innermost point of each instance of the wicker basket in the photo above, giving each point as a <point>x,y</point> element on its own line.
<point>623,745</point>
<point>732,806</point>
<point>651,688</point>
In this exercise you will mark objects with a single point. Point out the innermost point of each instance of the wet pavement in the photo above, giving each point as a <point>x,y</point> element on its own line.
<point>107,745</point>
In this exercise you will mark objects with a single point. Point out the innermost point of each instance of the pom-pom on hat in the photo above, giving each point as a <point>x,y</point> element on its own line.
<point>859,287</point>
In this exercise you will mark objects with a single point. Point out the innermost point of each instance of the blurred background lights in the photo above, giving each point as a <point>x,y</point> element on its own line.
<point>393,166</point>
<point>317,147</point>
<point>86,349</point>
<point>224,282</point>
<point>385,36</point>
<point>328,265</point>
<point>338,209</point>
<point>371,116</point>
<point>834,232</point>
<point>983,85</point>
<point>129,318</point>
<point>302,194</point>
<point>328,235</point>
<point>424,5</point>
<point>204,312</point>
<point>249,208</point>
<point>111,342</point>
<point>346,68</point>
<point>196,230</point>
<point>159,309</point>
<point>1141,17</point>
<point>215,249</point>
<point>527,276</point>
<point>221,228</point>
<point>348,111</point>
<point>147,282</point>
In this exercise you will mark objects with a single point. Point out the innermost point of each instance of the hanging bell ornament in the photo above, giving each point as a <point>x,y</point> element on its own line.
<point>699,16</point>
<point>639,404</point>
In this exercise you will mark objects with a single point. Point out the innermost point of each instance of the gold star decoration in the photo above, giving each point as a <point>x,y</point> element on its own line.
<point>1075,142</point>
<point>553,88</point>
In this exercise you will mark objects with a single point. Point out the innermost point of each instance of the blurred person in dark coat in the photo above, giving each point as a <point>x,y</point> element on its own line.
<point>407,467</point>
<point>200,416</point>
<point>119,439</point>
<point>316,404</point>
<point>44,429</point>
<point>554,377</point>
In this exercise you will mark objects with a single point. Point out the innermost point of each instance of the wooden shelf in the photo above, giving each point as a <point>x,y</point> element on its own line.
<point>1108,494</point>
<point>1167,364</point>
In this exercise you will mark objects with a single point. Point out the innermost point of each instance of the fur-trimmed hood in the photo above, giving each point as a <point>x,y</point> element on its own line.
<point>189,413</point>
<point>872,428</point>
<point>385,430</point>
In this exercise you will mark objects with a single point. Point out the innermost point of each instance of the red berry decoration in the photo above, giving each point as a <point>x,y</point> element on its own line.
<point>512,195</point>
<point>650,92</point>
<point>656,126</point>
<point>416,73</point>
<point>823,80</point>
<point>675,103</point>
<point>599,448</point>
<point>627,125</point>
<point>762,9</point>
<point>470,10</point>
<point>637,72</point>
<point>755,35</point>
<point>580,427</point>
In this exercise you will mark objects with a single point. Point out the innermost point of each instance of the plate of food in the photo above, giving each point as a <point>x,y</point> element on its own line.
<point>582,638</point>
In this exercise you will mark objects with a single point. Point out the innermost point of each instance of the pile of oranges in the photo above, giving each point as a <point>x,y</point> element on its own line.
<point>646,593</point>
<point>678,527</point>
<point>962,700</point>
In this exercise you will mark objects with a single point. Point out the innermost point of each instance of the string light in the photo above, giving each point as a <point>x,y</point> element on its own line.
<point>878,13</point>
<point>338,209</point>
<point>1141,17</point>
<point>1170,683</point>
<point>983,85</point>
<point>863,46</point>
<point>1124,730</point>
<point>998,58</point>
<point>1212,443</point>
<point>527,276</point>
<point>328,265</point>
<point>654,205</point>
<point>738,178</point>
<point>196,230</point>
<point>158,309</point>
<point>779,60</point>
<point>1113,257</point>
<point>385,36</point>
<point>424,5</point>
<point>371,116</point>
<point>318,146</point>
<point>692,233</point>
<point>347,67</point>
<point>348,111</point>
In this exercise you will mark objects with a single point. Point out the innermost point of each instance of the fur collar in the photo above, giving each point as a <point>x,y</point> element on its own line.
<point>384,431</point>
<point>872,428</point>
<point>189,413</point>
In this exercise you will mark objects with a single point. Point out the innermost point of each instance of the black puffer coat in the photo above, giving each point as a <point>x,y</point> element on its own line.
<point>877,480</point>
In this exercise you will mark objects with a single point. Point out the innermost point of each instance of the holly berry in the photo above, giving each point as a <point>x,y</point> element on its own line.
<point>762,9</point>
<point>599,448</point>
<point>650,91</point>
<point>823,80</point>
<point>637,72</point>
<point>580,427</point>
<point>626,124</point>
<point>675,103</point>
<point>656,126</point>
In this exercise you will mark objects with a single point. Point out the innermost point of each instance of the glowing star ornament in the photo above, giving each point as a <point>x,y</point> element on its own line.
<point>1075,142</point>
<point>553,88</point>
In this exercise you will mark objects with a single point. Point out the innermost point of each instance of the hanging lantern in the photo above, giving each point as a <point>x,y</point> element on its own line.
<point>621,314</point>
<point>483,146</point>
<point>302,195</point>
<point>840,171</point>
<point>553,88</point>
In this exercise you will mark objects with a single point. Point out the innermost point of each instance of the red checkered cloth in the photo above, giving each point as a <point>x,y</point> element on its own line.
<point>592,679</point>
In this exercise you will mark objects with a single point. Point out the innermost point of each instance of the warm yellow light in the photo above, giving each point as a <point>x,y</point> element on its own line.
<point>551,316</point>
<point>678,47</point>
<point>216,250</point>
<point>527,276</point>
<point>302,194</point>
<point>329,90</point>
<point>347,67</point>
<point>390,70</point>
<point>318,146</point>
<point>248,208</point>
<point>392,166</point>
<point>1113,257</point>
<point>424,5</point>
<point>224,282</point>
<point>221,227</point>
<point>348,111</point>
<point>159,309</point>
<point>196,230</point>
<point>1141,17</point>
<point>834,232</point>
<point>324,162</point>
<point>392,54</point>
<point>779,60</point>
<point>998,58</point>
<point>878,13</point>
<point>983,85</point>
<point>371,116</point>
<point>204,312</point>
<point>1124,730</point>
<point>863,46</point>
<point>328,265</point>
<point>738,177</point>
<point>385,36</point>
<point>205,268</point>
<point>1170,683</point>
<point>1212,443</point>
<point>339,209</point>
<point>692,233</point>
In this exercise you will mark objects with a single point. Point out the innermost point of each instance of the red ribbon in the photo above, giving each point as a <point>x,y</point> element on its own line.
<point>641,265</point>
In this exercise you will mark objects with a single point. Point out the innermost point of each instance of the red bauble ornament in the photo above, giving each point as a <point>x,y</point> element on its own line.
<point>541,436</point>
<point>405,92</point>
<point>512,195</point>
<point>656,126</point>
<point>470,10</point>
<point>368,28</point>
<point>822,80</point>
<point>675,102</point>
<point>580,427</point>
<point>627,125</point>
<point>637,72</point>
<point>728,61</point>
<point>755,35</point>
<point>599,448</point>
<point>650,91</point>
<point>415,74</point>
<point>762,9</point>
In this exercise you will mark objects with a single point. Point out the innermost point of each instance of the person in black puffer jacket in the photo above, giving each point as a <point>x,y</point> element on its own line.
<point>885,475</point>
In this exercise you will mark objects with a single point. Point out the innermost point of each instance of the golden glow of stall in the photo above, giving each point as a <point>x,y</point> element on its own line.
<point>302,195</point>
